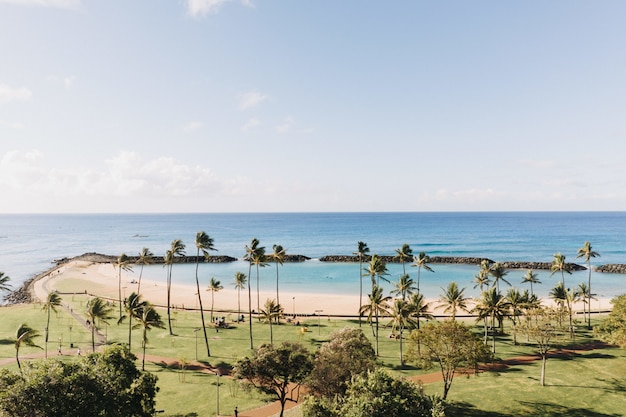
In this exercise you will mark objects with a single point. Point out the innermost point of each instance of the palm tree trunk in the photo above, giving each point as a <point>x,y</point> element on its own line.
<point>360,288</point>
<point>119,289</point>
<point>250,308</point>
<point>277,299</point>
<point>169,287</point>
<point>589,295</point>
<point>206,338</point>
<point>143,359</point>
<point>258,295</point>
<point>139,282</point>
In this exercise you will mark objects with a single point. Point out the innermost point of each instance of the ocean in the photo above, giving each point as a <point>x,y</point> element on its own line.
<point>30,243</point>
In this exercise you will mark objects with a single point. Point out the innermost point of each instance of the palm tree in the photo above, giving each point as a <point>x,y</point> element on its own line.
<point>403,254</point>
<point>133,306</point>
<point>25,335</point>
<point>421,261</point>
<point>4,282</point>
<point>271,312</point>
<point>378,304</point>
<point>204,243</point>
<point>278,256</point>
<point>122,264</point>
<point>498,272</point>
<point>97,309</point>
<point>404,287</point>
<point>214,286</point>
<point>144,258</point>
<point>177,248</point>
<point>240,284</point>
<point>587,253</point>
<point>419,309</point>
<point>249,256</point>
<point>259,259</point>
<point>481,280</point>
<point>400,320</point>
<point>52,302</point>
<point>453,299</point>
<point>361,251</point>
<point>532,278</point>
<point>565,298</point>
<point>492,305</point>
<point>376,269</point>
<point>148,319</point>
<point>559,265</point>
<point>516,302</point>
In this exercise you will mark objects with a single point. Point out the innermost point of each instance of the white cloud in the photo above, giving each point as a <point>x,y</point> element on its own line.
<point>251,99</point>
<point>61,4</point>
<point>10,124</point>
<point>8,93</point>
<point>286,126</point>
<point>197,8</point>
<point>192,126</point>
<point>251,124</point>
<point>68,81</point>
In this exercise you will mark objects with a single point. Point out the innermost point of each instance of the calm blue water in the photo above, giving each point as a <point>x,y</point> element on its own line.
<point>28,243</point>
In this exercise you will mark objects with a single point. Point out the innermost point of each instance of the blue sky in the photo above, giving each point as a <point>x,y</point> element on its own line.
<point>259,105</point>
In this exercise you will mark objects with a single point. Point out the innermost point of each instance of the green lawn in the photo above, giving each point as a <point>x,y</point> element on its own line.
<point>591,384</point>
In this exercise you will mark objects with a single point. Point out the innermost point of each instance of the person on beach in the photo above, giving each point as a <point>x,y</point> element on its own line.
<point>236,412</point>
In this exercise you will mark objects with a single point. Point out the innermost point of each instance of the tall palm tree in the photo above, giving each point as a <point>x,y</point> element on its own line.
<point>270,313</point>
<point>133,306</point>
<point>401,319</point>
<point>177,248</point>
<point>378,304</point>
<point>52,302</point>
<point>421,262</point>
<point>249,256</point>
<point>583,294</point>
<point>259,259</point>
<point>148,319</point>
<point>420,309</point>
<point>565,298</point>
<point>144,258</point>
<point>516,302</point>
<point>278,256</point>
<point>498,272</point>
<point>122,264</point>
<point>492,305</point>
<point>559,265</point>
<point>25,335</point>
<point>587,253</point>
<point>97,309</point>
<point>453,299</point>
<point>361,251</point>
<point>481,280</point>
<point>214,286</point>
<point>404,287</point>
<point>376,269</point>
<point>4,282</point>
<point>204,243</point>
<point>403,255</point>
<point>532,278</point>
<point>240,284</point>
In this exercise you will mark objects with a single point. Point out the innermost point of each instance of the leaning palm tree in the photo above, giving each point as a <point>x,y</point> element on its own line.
<point>177,248</point>
<point>204,243</point>
<point>52,302</point>
<point>498,272</point>
<point>401,319</point>
<point>453,299</point>
<point>122,264</point>
<point>97,309</point>
<point>531,278</point>
<point>278,256</point>
<point>587,253</point>
<point>249,256</point>
<point>419,309</point>
<point>214,286</point>
<point>144,258</point>
<point>421,261</point>
<point>133,307</point>
<point>4,282</point>
<point>403,255</point>
<point>361,251</point>
<point>25,335</point>
<point>240,284</point>
<point>378,305</point>
<point>271,312</point>
<point>559,265</point>
<point>148,319</point>
<point>494,306</point>
<point>404,287</point>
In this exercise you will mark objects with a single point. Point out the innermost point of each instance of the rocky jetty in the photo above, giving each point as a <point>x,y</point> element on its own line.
<point>539,266</point>
<point>612,268</point>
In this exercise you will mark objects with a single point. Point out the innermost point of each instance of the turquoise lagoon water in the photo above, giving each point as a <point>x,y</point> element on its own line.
<point>29,243</point>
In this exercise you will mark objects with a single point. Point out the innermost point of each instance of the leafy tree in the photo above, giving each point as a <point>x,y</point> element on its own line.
<point>347,354</point>
<point>587,253</point>
<point>122,264</point>
<point>148,319</point>
<point>278,256</point>
<point>421,261</point>
<point>177,248</point>
<point>449,344</point>
<point>453,299</point>
<point>240,284</point>
<point>378,304</point>
<point>100,384</point>
<point>559,265</point>
<point>144,258</point>
<point>273,368</point>
<point>204,243</point>
<point>403,255</point>
<point>97,309</point>
<point>53,300</point>
<point>25,335</point>
<point>613,328</point>
<point>214,286</point>
<point>361,252</point>
<point>531,277</point>
<point>271,312</point>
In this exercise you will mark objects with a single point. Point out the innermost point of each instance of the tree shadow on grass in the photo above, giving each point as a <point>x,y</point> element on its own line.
<point>462,409</point>
<point>555,410</point>
<point>6,342</point>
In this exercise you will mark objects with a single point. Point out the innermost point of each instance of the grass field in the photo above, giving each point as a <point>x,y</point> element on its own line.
<point>590,383</point>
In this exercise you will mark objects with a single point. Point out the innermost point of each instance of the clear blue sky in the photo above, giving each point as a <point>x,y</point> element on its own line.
<point>354,105</point>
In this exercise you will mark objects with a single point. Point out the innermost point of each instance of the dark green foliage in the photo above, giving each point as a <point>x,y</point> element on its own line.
<point>101,384</point>
<point>613,328</point>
